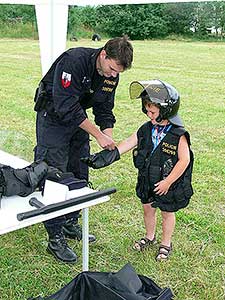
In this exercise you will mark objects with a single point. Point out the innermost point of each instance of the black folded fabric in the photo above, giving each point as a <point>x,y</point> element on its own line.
<point>123,285</point>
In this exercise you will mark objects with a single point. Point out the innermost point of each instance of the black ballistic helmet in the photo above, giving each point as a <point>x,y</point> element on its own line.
<point>160,93</point>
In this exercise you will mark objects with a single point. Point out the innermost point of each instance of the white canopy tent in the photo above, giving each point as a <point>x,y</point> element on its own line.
<point>52,19</point>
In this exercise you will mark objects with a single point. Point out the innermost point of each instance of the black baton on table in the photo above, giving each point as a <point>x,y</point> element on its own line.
<point>42,209</point>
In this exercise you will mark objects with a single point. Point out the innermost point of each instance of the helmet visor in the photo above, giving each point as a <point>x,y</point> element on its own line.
<point>155,89</point>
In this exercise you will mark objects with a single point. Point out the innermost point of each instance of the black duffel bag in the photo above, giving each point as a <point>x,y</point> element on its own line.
<point>123,285</point>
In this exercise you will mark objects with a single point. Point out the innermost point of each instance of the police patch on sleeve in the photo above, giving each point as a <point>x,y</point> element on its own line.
<point>66,79</point>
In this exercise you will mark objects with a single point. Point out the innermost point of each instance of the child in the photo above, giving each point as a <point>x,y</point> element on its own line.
<point>163,158</point>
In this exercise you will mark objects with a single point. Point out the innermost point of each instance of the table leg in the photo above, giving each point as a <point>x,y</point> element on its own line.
<point>85,244</point>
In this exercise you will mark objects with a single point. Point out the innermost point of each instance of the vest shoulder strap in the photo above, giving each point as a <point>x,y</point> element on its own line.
<point>179,131</point>
<point>145,131</point>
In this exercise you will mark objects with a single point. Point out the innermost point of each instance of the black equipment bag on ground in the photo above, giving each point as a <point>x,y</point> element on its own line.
<point>123,285</point>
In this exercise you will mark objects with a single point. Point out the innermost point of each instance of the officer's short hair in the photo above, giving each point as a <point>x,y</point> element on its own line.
<point>121,50</point>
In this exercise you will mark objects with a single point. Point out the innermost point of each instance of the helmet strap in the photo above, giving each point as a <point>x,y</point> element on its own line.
<point>159,118</point>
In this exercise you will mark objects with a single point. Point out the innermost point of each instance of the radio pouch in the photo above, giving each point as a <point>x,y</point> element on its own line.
<point>41,97</point>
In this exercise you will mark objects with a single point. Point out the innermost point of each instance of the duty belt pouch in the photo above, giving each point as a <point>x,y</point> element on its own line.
<point>40,98</point>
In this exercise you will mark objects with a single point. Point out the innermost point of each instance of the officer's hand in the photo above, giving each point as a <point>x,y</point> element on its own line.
<point>106,142</point>
<point>101,159</point>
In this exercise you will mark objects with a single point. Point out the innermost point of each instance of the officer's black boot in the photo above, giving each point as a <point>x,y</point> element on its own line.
<point>73,230</point>
<point>57,246</point>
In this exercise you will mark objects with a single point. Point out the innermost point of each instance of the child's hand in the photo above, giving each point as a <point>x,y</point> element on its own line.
<point>162,187</point>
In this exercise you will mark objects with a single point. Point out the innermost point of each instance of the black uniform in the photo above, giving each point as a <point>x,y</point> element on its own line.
<point>71,86</point>
<point>156,165</point>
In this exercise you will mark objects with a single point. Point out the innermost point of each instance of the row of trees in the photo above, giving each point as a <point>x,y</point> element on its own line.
<point>137,21</point>
<point>151,20</point>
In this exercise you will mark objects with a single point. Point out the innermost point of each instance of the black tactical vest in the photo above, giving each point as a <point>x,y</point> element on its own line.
<point>153,167</point>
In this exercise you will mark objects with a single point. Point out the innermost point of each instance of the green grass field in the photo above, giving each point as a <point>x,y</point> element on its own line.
<point>195,271</point>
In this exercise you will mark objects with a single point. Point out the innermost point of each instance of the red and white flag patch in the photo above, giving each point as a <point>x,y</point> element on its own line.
<point>66,79</point>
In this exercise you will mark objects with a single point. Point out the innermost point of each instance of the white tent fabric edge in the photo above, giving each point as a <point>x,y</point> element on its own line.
<point>52,18</point>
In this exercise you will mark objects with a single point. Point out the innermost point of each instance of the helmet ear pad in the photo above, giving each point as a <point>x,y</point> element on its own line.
<point>165,111</point>
<point>159,118</point>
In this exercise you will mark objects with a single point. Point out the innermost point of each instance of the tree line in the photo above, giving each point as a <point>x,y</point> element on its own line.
<point>138,21</point>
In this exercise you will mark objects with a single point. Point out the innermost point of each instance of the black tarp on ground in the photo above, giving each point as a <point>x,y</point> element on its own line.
<point>123,285</point>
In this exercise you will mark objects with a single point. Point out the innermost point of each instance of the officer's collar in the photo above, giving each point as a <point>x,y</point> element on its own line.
<point>95,54</point>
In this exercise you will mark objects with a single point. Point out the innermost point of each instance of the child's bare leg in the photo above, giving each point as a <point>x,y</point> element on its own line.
<point>149,220</point>
<point>168,225</point>
<point>150,226</point>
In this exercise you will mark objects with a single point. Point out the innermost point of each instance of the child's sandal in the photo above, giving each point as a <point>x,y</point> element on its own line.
<point>164,252</point>
<point>144,243</point>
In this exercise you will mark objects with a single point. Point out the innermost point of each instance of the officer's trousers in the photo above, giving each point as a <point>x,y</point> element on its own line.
<point>61,146</point>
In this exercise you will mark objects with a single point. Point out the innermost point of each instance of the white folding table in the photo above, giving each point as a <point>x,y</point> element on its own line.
<point>14,205</point>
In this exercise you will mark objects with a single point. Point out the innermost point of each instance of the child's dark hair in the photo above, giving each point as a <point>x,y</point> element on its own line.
<point>146,100</point>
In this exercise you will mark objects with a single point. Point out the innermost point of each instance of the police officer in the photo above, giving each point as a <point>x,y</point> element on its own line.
<point>79,79</point>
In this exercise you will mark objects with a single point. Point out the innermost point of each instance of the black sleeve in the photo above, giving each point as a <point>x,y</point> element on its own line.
<point>104,116</point>
<point>66,93</point>
<point>103,111</point>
